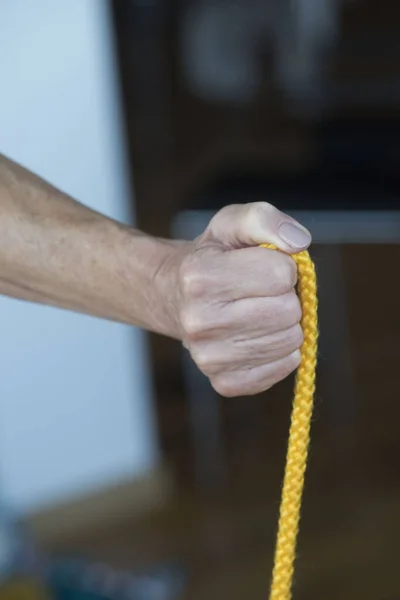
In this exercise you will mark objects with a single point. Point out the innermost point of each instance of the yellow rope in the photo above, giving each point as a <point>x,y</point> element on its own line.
<point>296,458</point>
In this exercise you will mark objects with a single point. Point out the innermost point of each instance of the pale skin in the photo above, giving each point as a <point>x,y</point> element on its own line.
<point>232,304</point>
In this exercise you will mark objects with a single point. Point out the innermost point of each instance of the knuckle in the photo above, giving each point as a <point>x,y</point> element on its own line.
<point>224,387</point>
<point>292,309</point>
<point>290,271</point>
<point>284,273</point>
<point>202,358</point>
<point>224,215</point>
<point>261,207</point>
<point>192,279</point>
<point>287,366</point>
<point>192,323</point>
<point>293,361</point>
<point>297,337</point>
<point>248,217</point>
<point>254,211</point>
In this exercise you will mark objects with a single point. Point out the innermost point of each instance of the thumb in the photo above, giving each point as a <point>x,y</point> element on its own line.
<point>241,225</point>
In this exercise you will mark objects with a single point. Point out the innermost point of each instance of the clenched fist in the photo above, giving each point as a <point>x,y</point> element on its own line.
<point>237,307</point>
<point>231,303</point>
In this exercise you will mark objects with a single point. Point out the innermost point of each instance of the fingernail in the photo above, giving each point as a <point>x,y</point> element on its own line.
<point>294,235</point>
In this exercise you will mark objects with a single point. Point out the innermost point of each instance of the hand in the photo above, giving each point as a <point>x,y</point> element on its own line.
<point>238,310</point>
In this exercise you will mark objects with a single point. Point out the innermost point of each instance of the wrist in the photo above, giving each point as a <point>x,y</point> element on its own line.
<point>150,268</point>
<point>165,271</point>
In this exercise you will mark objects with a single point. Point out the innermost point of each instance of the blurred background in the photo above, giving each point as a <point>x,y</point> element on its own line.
<point>123,476</point>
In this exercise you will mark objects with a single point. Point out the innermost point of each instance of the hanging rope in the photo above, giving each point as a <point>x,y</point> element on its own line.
<point>299,436</point>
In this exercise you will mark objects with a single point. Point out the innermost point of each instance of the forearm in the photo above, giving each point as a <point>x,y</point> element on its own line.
<point>55,251</point>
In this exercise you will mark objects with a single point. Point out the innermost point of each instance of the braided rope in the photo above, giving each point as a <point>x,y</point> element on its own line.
<point>299,436</point>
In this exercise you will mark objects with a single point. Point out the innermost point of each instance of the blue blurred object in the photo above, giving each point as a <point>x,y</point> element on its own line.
<point>13,540</point>
<point>78,579</point>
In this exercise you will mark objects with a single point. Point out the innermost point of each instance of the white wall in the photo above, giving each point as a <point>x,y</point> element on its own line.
<point>75,399</point>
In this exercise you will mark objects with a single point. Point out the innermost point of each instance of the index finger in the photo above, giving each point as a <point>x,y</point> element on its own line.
<point>251,272</point>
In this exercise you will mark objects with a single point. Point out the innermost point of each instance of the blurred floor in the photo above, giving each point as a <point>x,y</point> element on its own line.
<point>351,521</point>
